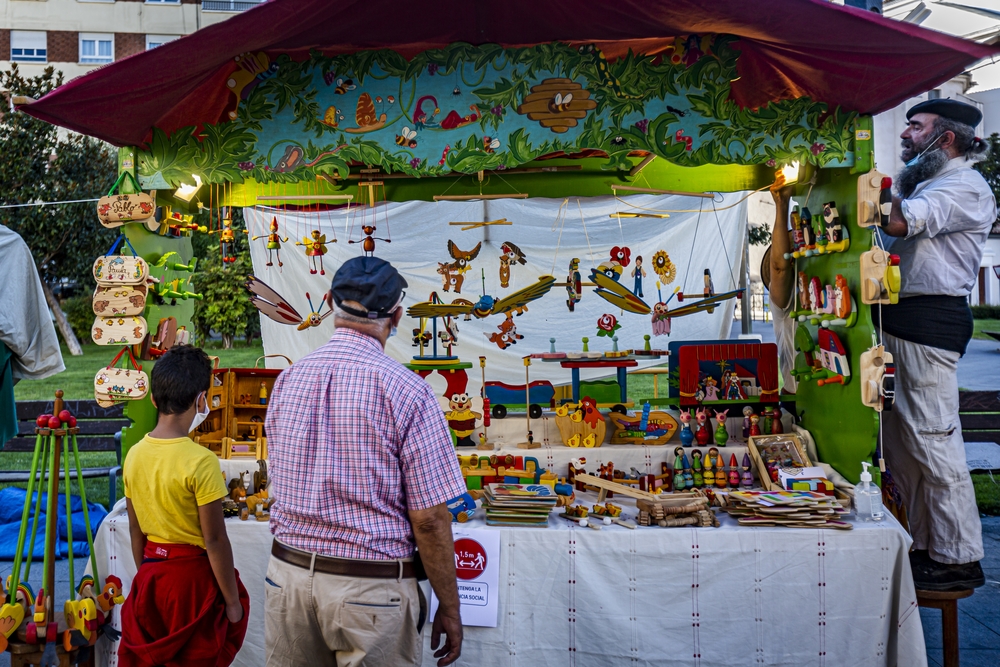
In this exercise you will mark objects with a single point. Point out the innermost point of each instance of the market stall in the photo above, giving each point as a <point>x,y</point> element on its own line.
<point>564,193</point>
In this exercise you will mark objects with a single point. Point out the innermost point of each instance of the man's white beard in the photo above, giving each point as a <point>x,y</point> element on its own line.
<point>926,167</point>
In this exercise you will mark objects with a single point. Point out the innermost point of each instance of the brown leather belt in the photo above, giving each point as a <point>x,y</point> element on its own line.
<point>343,566</point>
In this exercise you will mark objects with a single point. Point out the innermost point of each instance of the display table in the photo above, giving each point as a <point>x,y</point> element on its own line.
<point>723,596</point>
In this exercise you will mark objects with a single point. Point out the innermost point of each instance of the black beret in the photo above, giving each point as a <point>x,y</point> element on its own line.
<point>948,108</point>
<point>370,281</point>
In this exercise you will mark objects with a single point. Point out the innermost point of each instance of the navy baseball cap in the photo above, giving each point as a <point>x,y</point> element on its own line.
<point>370,281</point>
<point>948,108</point>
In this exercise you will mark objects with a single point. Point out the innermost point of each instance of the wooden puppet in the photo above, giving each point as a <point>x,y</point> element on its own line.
<point>227,241</point>
<point>508,333</point>
<point>721,434</point>
<point>574,284</point>
<point>274,242</point>
<point>509,254</point>
<point>315,245</point>
<point>368,243</point>
<point>732,389</point>
<point>638,273</point>
<point>272,304</point>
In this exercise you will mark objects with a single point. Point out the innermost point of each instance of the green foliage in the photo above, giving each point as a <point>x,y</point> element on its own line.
<point>990,169</point>
<point>987,494</point>
<point>80,314</point>
<point>225,308</point>
<point>759,235</point>
<point>39,165</point>
<point>986,312</point>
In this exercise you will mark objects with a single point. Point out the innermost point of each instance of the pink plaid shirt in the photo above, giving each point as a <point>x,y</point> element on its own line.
<point>355,440</point>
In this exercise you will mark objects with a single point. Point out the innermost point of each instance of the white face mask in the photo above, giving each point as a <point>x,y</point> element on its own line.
<point>199,416</point>
<point>930,146</point>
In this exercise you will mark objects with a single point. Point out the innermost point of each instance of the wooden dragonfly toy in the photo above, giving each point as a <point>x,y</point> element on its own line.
<point>515,303</point>
<point>276,307</point>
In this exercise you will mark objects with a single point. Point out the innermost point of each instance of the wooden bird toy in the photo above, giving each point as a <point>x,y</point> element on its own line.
<point>315,245</point>
<point>509,254</point>
<point>272,304</point>
<point>463,257</point>
<point>616,294</point>
<point>515,303</point>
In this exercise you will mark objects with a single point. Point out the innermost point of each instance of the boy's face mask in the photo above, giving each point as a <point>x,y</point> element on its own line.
<point>199,416</point>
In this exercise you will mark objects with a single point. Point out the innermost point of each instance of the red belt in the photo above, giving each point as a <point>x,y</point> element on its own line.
<point>343,566</point>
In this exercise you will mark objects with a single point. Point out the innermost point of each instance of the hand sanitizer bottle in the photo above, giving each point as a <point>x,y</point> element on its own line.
<point>867,497</point>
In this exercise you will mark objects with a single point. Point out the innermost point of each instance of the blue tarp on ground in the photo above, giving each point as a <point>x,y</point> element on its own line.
<point>11,506</point>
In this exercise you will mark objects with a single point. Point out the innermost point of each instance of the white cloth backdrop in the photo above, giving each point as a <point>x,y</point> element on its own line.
<point>420,233</point>
<point>651,596</point>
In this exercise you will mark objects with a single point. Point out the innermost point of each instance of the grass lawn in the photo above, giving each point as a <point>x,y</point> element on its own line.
<point>984,325</point>
<point>77,381</point>
<point>97,489</point>
<point>987,493</point>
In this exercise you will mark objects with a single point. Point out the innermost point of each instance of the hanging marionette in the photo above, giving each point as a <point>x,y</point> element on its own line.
<point>509,254</point>
<point>274,242</point>
<point>369,228</point>
<point>227,241</point>
<point>315,245</point>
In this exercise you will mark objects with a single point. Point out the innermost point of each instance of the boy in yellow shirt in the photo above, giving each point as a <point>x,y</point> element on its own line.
<point>187,606</point>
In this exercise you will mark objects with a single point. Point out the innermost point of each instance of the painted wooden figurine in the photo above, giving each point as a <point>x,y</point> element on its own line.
<point>746,479</point>
<point>697,469</point>
<point>711,389</point>
<point>777,427</point>
<point>747,411</point>
<point>732,390</point>
<point>227,242</point>
<point>710,472</point>
<point>509,254</point>
<point>734,472</point>
<point>315,245</point>
<point>701,433</point>
<point>831,220</point>
<point>754,425</point>
<point>720,472</point>
<point>274,242</point>
<point>687,435</point>
<point>262,394</point>
<point>679,481</point>
<point>721,434</point>
<point>368,243</point>
<point>574,284</point>
<point>638,273</point>
<point>507,335</point>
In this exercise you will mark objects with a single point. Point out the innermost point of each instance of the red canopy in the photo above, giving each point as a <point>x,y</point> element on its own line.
<point>790,48</point>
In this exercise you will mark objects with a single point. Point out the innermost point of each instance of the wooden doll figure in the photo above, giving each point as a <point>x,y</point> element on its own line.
<point>315,248</point>
<point>766,426</point>
<point>747,411</point>
<point>687,435</point>
<point>777,427</point>
<point>262,394</point>
<point>754,425</point>
<point>721,434</point>
<point>701,433</point>
<point>697,474</point>
<point>732,388</point>
<point>709,475</point>
<point>274,242</point>
<point>711,389</point>
<point>227,242</point>
<point>734,473</point>
<point>746,478</point>
<point>678,473</point>
<point>809,235</point>
<point>720,472</point>
<point>368,243</point>
<point>638,273</point>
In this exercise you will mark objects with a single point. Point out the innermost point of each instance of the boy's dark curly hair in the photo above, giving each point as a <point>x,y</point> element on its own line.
<point>178,377</point>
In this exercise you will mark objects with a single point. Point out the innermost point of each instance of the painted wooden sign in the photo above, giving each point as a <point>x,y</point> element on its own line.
<point>114,270</point>
<point>119,330</point>
<point>113,385</point>
<point>120,300</point>
<point>116,210</point>
<point>470,108</point>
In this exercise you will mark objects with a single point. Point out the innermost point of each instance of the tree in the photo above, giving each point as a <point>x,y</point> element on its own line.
<point>41,164</point>
<point>225,307</point>
<point>990,169</point>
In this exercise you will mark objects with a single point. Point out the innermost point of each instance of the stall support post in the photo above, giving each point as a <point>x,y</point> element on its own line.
<point>746,300</point>
<point>52,515</point>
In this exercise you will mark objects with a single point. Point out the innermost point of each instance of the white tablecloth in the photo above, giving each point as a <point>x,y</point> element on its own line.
<point>681,596</point>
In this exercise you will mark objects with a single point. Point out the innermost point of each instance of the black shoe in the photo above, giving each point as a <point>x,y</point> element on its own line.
<point>934,576</point>
<point>918,557</point>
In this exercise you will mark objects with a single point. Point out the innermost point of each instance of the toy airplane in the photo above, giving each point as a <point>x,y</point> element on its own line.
<point>487,305</point>
<point>272,304</point>
<point>617,294</point>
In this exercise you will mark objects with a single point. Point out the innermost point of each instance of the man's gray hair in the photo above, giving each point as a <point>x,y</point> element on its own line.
<point>342,315</point>
<point>966,141</point>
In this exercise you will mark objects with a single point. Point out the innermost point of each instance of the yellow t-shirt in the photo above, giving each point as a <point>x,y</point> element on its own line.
<point>167,480</point>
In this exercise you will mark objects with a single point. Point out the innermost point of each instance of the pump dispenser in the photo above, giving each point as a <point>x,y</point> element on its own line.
<point>867,497</point>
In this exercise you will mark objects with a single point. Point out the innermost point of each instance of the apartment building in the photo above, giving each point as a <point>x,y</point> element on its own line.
<point>76,36</point>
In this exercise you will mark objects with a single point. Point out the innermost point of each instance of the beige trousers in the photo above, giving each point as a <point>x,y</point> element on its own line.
<point>926,454</point>
<point>313,619</point>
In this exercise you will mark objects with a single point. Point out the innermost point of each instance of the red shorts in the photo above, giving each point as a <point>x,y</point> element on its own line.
<point>175,615</point>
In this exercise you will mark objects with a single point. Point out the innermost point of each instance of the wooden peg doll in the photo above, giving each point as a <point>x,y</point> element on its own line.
<point>701,433</point>
<point>687,435</point>
<point>688,476</point>
<point>754,425</point>
<point>734,472</point>
<point>777,427</point>
<point>697,469</point>
<point>262,394</point>
<point>720,472</point>
<point>747,411</point>
<point>679,482</point>
<point>746,478</point>
<point>721,434</point>
<point>710,472</point>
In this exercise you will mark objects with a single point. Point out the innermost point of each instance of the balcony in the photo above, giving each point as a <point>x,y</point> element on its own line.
<point>229,5</point>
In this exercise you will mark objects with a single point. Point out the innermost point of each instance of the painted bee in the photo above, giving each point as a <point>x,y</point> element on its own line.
<point>343,85</point>
<point>490,145</point>
<point>407,138</point>
<point>559,103</point>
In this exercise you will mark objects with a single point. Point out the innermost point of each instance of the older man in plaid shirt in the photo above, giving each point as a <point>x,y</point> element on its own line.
<point>362,465</point>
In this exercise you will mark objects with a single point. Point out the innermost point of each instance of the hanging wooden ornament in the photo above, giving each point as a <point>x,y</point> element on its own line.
<point>509,254</point>
<point>276,307</point>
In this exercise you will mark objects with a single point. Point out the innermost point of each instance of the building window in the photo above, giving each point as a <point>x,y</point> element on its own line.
<point>163,2</point>
<point>96,47</point>
<point>934,94</point>
<point>228,5</point>
<point>28,46</point>
<point>153,41</point>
